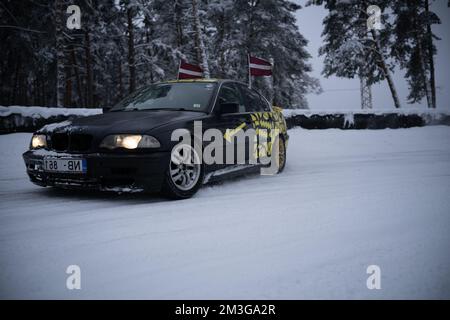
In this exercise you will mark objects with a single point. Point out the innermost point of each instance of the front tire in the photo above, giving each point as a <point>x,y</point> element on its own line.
<point>185,173</point>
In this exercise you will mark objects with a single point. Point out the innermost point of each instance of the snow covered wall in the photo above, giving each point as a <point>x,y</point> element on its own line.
<point>29,119</point>
<point>365,119</point>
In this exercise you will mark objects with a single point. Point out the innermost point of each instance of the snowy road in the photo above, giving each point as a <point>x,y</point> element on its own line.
<point>347,200</point>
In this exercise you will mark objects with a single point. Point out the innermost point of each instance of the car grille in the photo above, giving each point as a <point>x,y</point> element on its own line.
<point>71,142</point>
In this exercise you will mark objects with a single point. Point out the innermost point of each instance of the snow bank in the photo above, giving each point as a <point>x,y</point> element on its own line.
<point>29,119</point>
<point>365,119</point>
<point>405,111</point>
<point>45,112</point>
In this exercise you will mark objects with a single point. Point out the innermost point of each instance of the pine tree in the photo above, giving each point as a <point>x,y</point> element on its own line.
<point>414,49</point>
<point>59,11</point>
<point>350,49</point>
<point>27,43</point>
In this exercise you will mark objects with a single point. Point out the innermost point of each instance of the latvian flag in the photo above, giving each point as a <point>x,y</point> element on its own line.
<point>189,71</point>
<point>259,67</point>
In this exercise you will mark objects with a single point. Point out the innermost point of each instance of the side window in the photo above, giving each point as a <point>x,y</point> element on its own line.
<point>253,101</point>
<point>265,105</point>
<point>229,94</point>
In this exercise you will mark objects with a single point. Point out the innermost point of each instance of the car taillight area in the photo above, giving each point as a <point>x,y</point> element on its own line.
<point>75,142</point>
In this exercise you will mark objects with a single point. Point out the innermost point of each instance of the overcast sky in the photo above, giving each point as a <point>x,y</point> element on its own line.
<point>341,93</point>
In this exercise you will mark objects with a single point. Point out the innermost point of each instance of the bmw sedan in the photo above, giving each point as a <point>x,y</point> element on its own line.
<point>135,145</point>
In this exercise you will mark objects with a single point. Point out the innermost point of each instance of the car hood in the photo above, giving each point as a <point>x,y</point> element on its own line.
<point>123,122</point>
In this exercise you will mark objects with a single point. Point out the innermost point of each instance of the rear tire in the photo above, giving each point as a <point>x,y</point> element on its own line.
<point>282,155</point>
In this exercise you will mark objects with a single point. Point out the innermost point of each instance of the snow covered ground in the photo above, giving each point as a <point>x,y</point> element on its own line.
<point>347,200</point>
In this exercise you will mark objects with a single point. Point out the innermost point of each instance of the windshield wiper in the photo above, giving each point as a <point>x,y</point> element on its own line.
<point>130,109</point>
<point>184,109</point>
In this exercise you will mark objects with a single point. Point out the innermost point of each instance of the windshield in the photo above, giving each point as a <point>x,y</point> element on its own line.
<point>177,96</point>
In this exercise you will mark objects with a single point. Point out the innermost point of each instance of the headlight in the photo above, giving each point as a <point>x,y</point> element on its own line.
<point>129,141</point>
<point>38,141</point>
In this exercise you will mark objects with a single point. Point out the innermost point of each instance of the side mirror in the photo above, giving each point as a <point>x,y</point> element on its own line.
<point>229,108</point>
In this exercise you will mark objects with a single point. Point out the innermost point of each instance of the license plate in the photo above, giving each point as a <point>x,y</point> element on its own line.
<point>65,165</point>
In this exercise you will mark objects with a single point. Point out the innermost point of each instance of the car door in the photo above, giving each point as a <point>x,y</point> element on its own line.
<point>231,124</point>
<point>260,118</point>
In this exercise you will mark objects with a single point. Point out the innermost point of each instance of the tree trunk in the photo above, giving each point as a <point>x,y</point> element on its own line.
<point>60,72</point>
<point>42,97</point>
<point>430,57</point>
<point>426,85</point>
<point>42,83</point>
<point>221,41</point>
<point>391,84</point>
<point>23,96</point>
<point>121,91</point>
<point>131,60</point>
<point>250,35</point>
<point>385,70</point>
<point>77,77</point>
<point>7,77</point>
<point>15,87</point>
<point>35,91</point>
<point>178,25</point>
<point>199,44</point>
<point>89,85</point>
<point>36,100</point>
<point>68,93</point>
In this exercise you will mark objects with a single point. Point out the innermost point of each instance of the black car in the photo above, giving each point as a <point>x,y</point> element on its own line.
<point>130,147</point>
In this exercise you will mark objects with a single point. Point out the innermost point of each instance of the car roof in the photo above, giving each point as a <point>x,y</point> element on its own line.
<point>202,80</point>
<point>209,80</point>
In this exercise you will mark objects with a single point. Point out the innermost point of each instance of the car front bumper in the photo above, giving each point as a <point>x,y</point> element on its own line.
<point>105,172</point>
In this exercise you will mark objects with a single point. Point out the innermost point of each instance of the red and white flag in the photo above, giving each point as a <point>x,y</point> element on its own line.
<point>259,67</point>
<point>189,71</point>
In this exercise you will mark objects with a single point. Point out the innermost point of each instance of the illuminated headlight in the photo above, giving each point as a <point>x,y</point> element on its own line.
<point>129,141</point>
<point>38,141</point>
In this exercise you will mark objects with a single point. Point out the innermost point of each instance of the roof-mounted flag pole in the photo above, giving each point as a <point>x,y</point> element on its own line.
<point>249,72</point>
<point>179,66</point>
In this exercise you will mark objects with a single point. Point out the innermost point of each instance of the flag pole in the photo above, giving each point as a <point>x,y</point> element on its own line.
<point>249,72</point>
<point>272,62</point>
